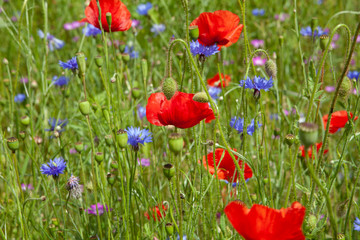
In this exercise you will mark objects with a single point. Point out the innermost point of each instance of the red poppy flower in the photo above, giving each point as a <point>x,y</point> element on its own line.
<point>215,81</point>
<point>156,212</point>
<point>119,13</point>
<point>318,147</point>
<point>263,223</point>
<point>226,170</point>
<point>181,110</point>
<point>220,27</point>
<point>338,120</point>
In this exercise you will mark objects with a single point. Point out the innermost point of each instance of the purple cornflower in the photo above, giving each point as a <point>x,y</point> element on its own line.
<point>238,125</point>
<point>259,61</point>
<point>54,168</point>
<point>70,64</point>
<point>145,162</point>
<point>136,136</point>
<point>157,29</point>
<point>53,42</point>
<point>214,92</point>
<point>72,151</point>
<point>27,187</point>
<point>197,48</point>
<point>358,39</point>
<point>135,23</point>
<point>141,111</point>
<point>330,89</point>
<point>61,81</point>
<point>19,98</point>
<point>257,43</point>
<point>258,83</point>
<point>132,53</point>
<point>353,75</point>
<point>357,224</point>
<point>91,31</point>
<point>143,9</point>
<point>307,32</point>
<point>73,25</point>
<point>258,12</point>
<point>24,80</point>
<point>281,17</point>
<point>101,210</point>
<point>57,124</point>
<point>251,128</point>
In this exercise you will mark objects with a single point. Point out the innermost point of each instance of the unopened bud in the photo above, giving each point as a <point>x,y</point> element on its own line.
<point>109,19</point>
<point>169,227</point>
<point>169,87</point>
<point>324,40</point>
<point>289,139</point>
<point>80,59</point>
<point>84,107</point>
<point>201,97</point>
<point>270,68</point>
<point>22,134</point>
<point>99,61</point>
<point>345,89</point>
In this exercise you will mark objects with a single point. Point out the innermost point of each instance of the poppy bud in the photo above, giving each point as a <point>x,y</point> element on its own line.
<point>110,178</point>
<point>22,134</point>
<point>324,40</point>
<point>169,170</point>
<point>108,140</point>
<point>25,120</point>
<point>135,93</point>
<point>108,18</point>
<point>270,68</point>
<point>114,164</point>
<point>79,147</point>
<point>194,32</point>
<point>176,142</point>
<point>201,97</point>
<point>84,107</point>
<point>80,59</point>
<point>106,114</point>
<point>345,89</point>
<point>99,61</point>
<point>99,157</point>
<point>13,144</point>
<point>125,57</point>
<point>169,227</point>
<point>169,87</point>
<point>289,139</point>
<point>144,68</point>
<point>308,133</point>
<point>121,138</point>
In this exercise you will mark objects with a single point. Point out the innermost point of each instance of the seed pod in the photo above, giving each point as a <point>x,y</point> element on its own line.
<point>13,144</point>
<point>99,61</point>
<point>169,227</point>
<point>25,120</point>
<point>109,19</point>
<point>345,89</point>
<point>122,138</point>
<point>79,147</point>
<point>289,139</point>
<point>169,170</point>
<point>99,157</point>
<point>176,142</point>
<point>324,40</point>
<point>308,133</point>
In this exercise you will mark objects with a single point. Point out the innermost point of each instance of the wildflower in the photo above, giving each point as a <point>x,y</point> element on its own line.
<point>53,41</point>
<point>181,110</point>
<point>61,81</point>
<point>257,43</point>
<point>141,112</point>
<point>281,17</point>
<point>261,222</point>
<point>197,48</point>
<point>145,162</point>
<point>251,128</point>
<point>136,136</point>
<point>214,92</point>
<point>57,124</point>
<point>330,89</point>
<point>226,169</point>
<point>120,15</point>
<point>135,23</point>
<point>156,212</point>
<point>307,32</point>
<point>157,29</point>
<point>132,53</point>
<point>357,224</point>
<point>73,151</point>
<point>73,187</point>
<point>100,207</point>
<point>309,151</point>
<point>27,187</point>
<point>143,9</point>
<point>258,83</point>
<point>220,27</point>
<point>358,39</point>
<point>91,31</point>
<point>70,64</point>
<point>215,81</point>
<point>19,98</point>
<point>338,120</point>
<point>259,61</point>
<point>54,168</point>
<point>24,80</point>
<point>73,25</point>
<point>354,75</point>
<point>258,12</point>
<point>238,125</point>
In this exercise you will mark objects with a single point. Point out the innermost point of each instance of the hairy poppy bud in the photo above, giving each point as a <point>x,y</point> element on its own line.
<point>108,140</point>
<point>25,120</point>
<point>169,87</point>
<point>108,19</point>
<point>201,97</point>
<point>345,89</point>
<point>13,144</point>
<point>169,227</point>
<point>144,68</point>
<point>169,170</point>
<point>176,142</point>
<point>121,138</point>
<point>194,32</point>
<point>22,134</point>
<point>99,157</point>
<point>324,40</point>
<point>80,59</point>
<point>308,133</point>
<point>289,139</point>
<point>84,107</point>
<point>99,61</point>
<point>79,147</point>
<point>270,68</point>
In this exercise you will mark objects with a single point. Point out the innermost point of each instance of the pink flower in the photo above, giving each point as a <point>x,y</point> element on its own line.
<point>257,43</point>
<point>259,61</point>
<point>330,89</point>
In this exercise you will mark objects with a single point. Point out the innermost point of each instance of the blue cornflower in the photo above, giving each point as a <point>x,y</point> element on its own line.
<point>258,83</point>
<point>354,75</point>
<point>357,224</point>
<point>197,48</point>
<point>132,53</point>
<point>157,28</point>
<point>136,136</point>
<point>70,64</point>
<point>57,124</point>
<point>258,12</point>
<point>61,81</point>
<point>90,30</point>
<point>20,98</point>
<point>214,92</point>
<point>53,41</point>
<point>141,112</point>
<point>251,128</point>
<point>238,125</point>
<point>54,168</point>
<point>307,32</point>
<point>143,9</point>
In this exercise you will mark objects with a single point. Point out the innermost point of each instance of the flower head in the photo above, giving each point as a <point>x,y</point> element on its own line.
<point>91,31</point>
<point>100,207</point>
<point>215,81</point>
<point>354,75</point>
<point>357,224</point>
<point>258,83</point>
<point>251,128</point>
<point>145,162</point>
<point>19,98</point>
<point>157,29</point>
<point>27,187</point>
<point>70,64</point>
<point>143,9</point>
<point>60,81</point>
<point>197,48</point>
<point>54,167</point>
<point>24,80</point>
<point>238,125</point>
<point>261,222</point>
<point>53,42</point>
<point>214,92</point>
<point>338,120</point>
<point>307,32</point>
<point>257,43</point>
<point>259,61</point>
<point>281,17</point>
<point>136,136</point>
<point>181,110</point>
<point>220,27</point>
<point>132,53</point>
<point>258,12</point>
<point>141,112</point>
<point>120,15</point>
<point>73,187</point>
<point>309,151</point>
<point>57,124</point>
<point>156,213</point>
<point>73,25</point>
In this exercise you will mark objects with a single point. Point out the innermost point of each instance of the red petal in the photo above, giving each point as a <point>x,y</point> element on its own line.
<point>338,120</point>
<point>215,81</point>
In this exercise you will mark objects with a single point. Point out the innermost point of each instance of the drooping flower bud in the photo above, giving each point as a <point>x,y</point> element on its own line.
<point>13,144</point>
<point>308,133</point>
<point>109,19</point>
<point>169,87</point>
<point>169,170</point>
<point>345,89</point>
<point>84,107</point>
<point>122,138</point>
<point>80,59</point>
<point>270,68</point>
<point>25,120</point>
<point>201,97</point>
